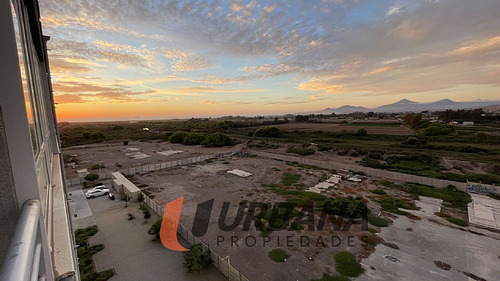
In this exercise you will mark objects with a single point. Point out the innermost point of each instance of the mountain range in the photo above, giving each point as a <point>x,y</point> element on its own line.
<point>406,105</point>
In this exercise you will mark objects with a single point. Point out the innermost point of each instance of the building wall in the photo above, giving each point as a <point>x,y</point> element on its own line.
<point>8,205</point>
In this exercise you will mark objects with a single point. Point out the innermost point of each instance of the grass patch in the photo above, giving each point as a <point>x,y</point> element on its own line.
<point>458,222</point>
<point>379,191</point>
<point>290,179</point>
<point>278,255</point>
<point>301,151</point>
<point>392,205</point>
<point>453,197</point>
<point>378,221</point>
<point>85,253</point>
<point>346,264</point>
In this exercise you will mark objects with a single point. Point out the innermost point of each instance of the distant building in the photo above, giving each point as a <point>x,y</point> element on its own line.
<point>468,123</point>
<point>36,237</point>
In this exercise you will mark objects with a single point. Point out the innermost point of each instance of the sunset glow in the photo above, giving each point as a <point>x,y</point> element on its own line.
<point>164,59</point>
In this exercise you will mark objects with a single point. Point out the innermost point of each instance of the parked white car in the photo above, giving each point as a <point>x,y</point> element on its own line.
<point>97,191</point>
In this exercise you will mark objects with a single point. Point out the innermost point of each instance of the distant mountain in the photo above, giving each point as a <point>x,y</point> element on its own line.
<point>406,105</point>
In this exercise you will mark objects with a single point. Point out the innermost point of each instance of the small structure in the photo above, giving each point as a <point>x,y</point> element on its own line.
<point>124,186</point>
<point>82,172</point>
<point>169,152</point>
<point>239,173</point>
<point>137,155</point>
<point>468,123</point>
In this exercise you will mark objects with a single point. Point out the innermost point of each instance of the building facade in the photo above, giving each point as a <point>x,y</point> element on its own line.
<point>36,237</point>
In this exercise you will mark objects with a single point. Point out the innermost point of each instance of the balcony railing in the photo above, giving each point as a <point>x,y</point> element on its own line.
<point>28,254</point>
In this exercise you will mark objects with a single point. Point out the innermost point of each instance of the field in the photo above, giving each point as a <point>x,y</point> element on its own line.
<point>372,128</point>
<point>436,151</point>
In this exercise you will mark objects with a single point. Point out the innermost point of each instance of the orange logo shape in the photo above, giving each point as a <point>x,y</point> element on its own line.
<point>169,224</point>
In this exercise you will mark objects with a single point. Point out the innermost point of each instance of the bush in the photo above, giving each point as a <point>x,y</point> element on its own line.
<point>378,221</point>
<point>217,140</point>
<point>346,264</point>
<point>458,222</point>
<point>301,151</point>
<point>269,132</point>
<point>97,135</point>
<point>196,258</point>
<point>178,137</point>
<point>194,138</point>
<point>361,132</point>
<point>91,177</point>
<point>278,255</point>
<point>125,142</point>
<point>436,129</point>
<point>379,191</point>
<point>97,167</point>
<point>147,214</point>
<point>140,197</point>
<point>155,228</point>
<point>86,135</point>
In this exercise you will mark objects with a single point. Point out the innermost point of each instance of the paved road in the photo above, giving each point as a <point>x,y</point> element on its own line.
<point>131,251</point>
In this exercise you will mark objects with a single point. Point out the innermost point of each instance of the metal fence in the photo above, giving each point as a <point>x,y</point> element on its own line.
<point>156,167</point>
<point>221,264</point>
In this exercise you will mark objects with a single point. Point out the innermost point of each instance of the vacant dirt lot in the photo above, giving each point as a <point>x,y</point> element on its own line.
<point>199,183</point>
<point>113,156</point>
<point>337,128</point>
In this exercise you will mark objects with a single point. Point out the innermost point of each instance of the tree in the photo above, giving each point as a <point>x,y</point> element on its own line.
<point>140,197</point>
<point>269,132</point>
<point>413,119</point>
<point>178,137</point>
<point>301,118</point>
<point>86,135</point>
<point>97,135</point>
<point>361,132</point>
<point>147,213</point>
<point>194,138</point>
<point>197,259</point>
<point>91,177</point>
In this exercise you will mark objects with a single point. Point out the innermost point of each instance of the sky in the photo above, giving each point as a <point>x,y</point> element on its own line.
<point>135,59</point>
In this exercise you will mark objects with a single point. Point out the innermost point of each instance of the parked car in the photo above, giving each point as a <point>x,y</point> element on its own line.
<point>97,191</point>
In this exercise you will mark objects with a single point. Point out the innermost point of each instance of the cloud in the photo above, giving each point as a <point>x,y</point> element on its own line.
<point>184,61</point>
<point>81,92</point>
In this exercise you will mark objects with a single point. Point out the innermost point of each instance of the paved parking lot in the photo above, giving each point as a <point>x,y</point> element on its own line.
<point>128,247</point>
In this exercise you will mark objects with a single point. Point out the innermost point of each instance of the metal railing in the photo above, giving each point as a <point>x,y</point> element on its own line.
<point>26,257</point>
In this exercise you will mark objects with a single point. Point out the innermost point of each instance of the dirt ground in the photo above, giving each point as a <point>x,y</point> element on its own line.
<point>337,128</point>
<point>113,156</point>
<point>201,182</point>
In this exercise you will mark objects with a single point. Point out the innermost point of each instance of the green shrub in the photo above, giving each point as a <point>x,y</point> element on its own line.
<point>155,228</point>
<point>278,255</point>
<point>346,264</point>
<point>269,132</point>
<point>301,151</point>
<point>458,222</point>
<point>197,259</point>
<point>379,191</point>
<point>97,167</point>
<point>178,137</point>
<point>194,138</point>
<point>91,177</point>
<point>361,132</point>
<point>97,135</point>
<point>378,221</point>
<point>217,140</point>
